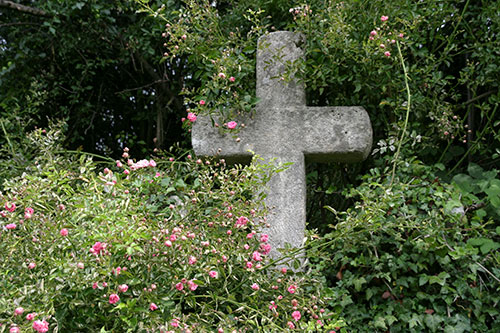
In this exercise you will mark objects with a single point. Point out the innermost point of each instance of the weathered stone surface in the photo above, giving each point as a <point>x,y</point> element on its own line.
<point>284,128</point>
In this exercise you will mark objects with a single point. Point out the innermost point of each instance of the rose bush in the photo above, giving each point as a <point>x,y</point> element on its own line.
<point>153,245</point>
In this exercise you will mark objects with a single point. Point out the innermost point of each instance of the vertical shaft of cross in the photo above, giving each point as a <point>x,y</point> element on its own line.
<point>275,52</point>
<point>287,203</point>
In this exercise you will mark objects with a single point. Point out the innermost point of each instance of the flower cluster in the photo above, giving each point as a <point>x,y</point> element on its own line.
<point>301,11</point>
<point>383,38</point>
<point>172,241</point>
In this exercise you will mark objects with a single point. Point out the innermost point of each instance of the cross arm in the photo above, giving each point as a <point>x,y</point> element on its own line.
<point>208,141</point>
<point>336,134</point>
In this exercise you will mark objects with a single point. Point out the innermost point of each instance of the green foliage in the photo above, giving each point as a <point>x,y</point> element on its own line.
<point>420,255</point>
<point>96,64</point>
<point>152,245</point>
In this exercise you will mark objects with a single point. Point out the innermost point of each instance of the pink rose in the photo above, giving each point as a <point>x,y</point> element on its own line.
<point>31,265</point>
<point>384,18</point>
<point>122,288</point>
<point>264,238</point>
<point>179,286</point>
<point>213,274</point>
<point>202,102</point>
<point>232,124</point>
<point>14,329</point>
<point>232,79</point>
<point>153,306</point>
<point>11,207</point>
<point>11,226</point>
<point>18,311</point>
<point>249,264</point>
<point>292,289</point>
<point>192,285</point>
<point>97,248</point>
<point>113,298</point>
<point>241,222</point>
<point>192,117</point>
<point>64,232</point>
<point>94,285</point>
<point>283,270</point>
<point>256,256</point>
<point>30,316</point>
<point>290,325</point>
<point>28,213</point>
<point>152,163</point>
<point>80,265</point>
<point>387,53</point>
<point>41,326</point>
<point>373,33</point>
<point>192,260</point>
<point>222,75</point>
<point>296,315</point>
<point>255,286</point>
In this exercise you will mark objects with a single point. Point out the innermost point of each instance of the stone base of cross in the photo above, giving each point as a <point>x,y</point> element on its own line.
<point>285,129</point>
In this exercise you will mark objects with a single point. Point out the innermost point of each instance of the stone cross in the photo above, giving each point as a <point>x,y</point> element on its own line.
<point>284,128</point>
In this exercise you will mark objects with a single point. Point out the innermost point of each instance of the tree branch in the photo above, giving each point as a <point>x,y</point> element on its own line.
<point>23,8</point>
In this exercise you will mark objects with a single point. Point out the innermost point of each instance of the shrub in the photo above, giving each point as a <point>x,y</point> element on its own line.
<point>150,245</point>
<point>418,255</point>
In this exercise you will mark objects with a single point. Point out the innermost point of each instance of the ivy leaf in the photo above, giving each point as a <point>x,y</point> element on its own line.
<point>423,280</point>
<point>489,246</point>
<point>380,323</point>
<point>432,321</point>
<point>358,283</point>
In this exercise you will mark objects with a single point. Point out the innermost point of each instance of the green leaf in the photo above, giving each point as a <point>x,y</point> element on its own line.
<point>463,182</point>
<point>475,170</point>
<point>489,246</point>
<point>358,283</point>
<point>165,181</point>
<point>440,166</point>
<point>330,190</point>
<point>380,323</point>
<point>423,280</point>
<point>414,321</point>
<point>477,241</point>
<point>432,321</point>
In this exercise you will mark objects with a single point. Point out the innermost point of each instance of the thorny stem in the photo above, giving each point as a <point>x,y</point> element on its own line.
<point>408,106</point>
